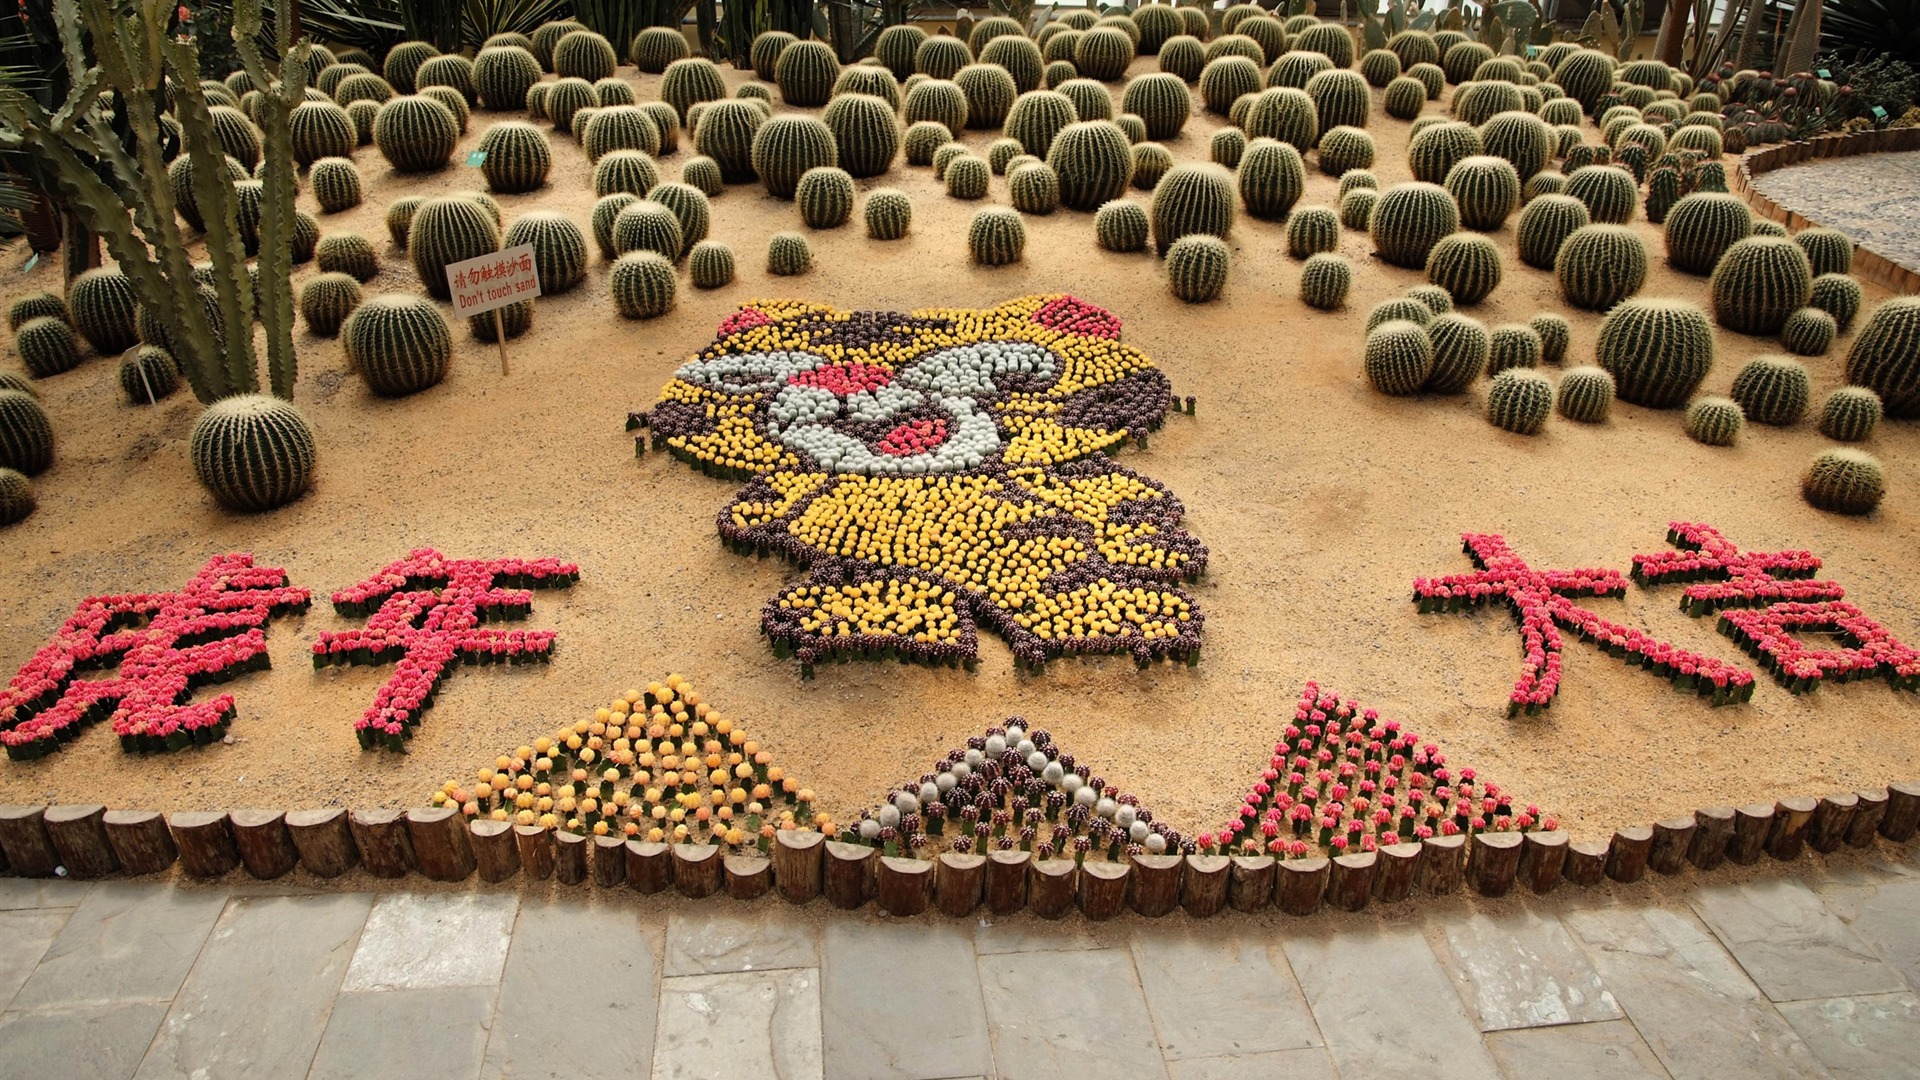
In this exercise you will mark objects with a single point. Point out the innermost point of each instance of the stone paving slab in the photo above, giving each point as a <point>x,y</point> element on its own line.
<point>426,941</point>
<point>1220,991</point>
<point>95,1042</point>
<point>1608,1050</point>
<point>258,998</point>
<point>1522,970</point>
<point>1311,1063</point>
<point>714,940</point>
<point>1385,1007</point>
<point>1886,914</point>
<point>1861,1038</point>
<point>19,893</point>
<point>126,941</point>
<point>901,1001</point>
<point>1697,1010</point>
<point>559,984</point>
<point>1027,933</point>
<point>1790,944</point>
<point>1068,1016</point>
<point>408,1034</point>
<point>1874,198</point>
<point>761,1024</point>
<point>24,937</point>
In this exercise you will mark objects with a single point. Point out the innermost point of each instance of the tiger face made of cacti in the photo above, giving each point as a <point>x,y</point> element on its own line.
<point>938,470</point>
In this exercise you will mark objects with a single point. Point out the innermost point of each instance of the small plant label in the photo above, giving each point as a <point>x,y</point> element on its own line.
<point>476,159</point>
<point>493,280</point>
<point>33,262</point>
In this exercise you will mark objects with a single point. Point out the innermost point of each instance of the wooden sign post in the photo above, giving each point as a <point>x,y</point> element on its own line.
<point>491,282</point>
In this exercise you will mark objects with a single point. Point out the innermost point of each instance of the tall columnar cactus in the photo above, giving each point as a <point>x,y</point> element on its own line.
<point>1286,114</point>
<point>1436,149</point>
<point>1398,357</point>
<point>1600,265</point>
<point>1520,400</point>
<point>1839,296</point>
<point>1467,265</point>
<point>1885,356</point>
<point>1844,481</point>
<point>1850,414</point>
<point>326,300</point>
<point>253,452</point>
<point>1312,230</point>
<point>1343,149</point>
<point>1192,199</point>
<point>1094,162</point>
<point>1701,227</point>
<point>1586,395</point>
<point>1121,226</point>
<point>1545,224</point>
<point>1829,251</point>
<point>1461,349</point>
<point>415,134</point>
<point>889,214</point>
<point>1340,95</point>
<point>1487,190</point>
<point>502,75</point>
<point>1758,283</point>
<point>1658,351</point>
<point>1715,421</point>
<point>621,127</point>
<point>1159,99</point>
<point>1325,281</point>
<point>448,230</point>
<point>939,100</point>
<point>1271,178</point>
<point>1609,192</point>
<point>1409,219</point>
<point>399,343</point>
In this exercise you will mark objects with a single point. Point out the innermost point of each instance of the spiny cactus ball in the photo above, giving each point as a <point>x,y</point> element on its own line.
<point>1609,192</point>
<point>605,213</point>
<point>889,214</point>
<point>36,305</point>
<point>584,54</point>
<point>321,129</point>
<point>766,48</point>
<point>1033,188</point>
<point>1271,178</point>
<point>1600,265</point>
<point>148,375</point>
<point>1586,394</point>
<point>1438,147</point>
<point>1808,332</point>
<point>1830,251</point>
<point>518,158</point>
<point>1121,226</point>
<point>642,284</point>
<point>1161,100</point>
<point>1286,114</point>
<point>448,230</point>
<point>788,255</point>
<point>1409,219</point>
<point>1325,280</point>
<point>400,217</point>
<point>26,436</point>
<point>1845,481</point>
<point>1343,149</point>
<point>629,170</point>
<point>1398,357</point>
<point>648,226</point>
<point>1850,414</point>
<point>46,346</point>
<point>336,184</point>
<point>414,134</point>
<point>1885,356</point>
<point>1398,309</point>
<point>16,497</point>
<point>1226,146</point>
<point>559,249</point>
<point>362,113</point>
<point>326,300</point>
<point>1312,230</point>
<point>1437,299</point>
<point>825,197</point>
<point>452,71</point>
<point>1461,347</point>
<point>1467,265</point>
<point>1513,345</point>
<point>1404,98</point>
<point>1555,335</point>
<point>967,177</point>
<point>996,237</point>
<point>347,253</point>
<point>865,131</point>
<point>703,173</point>
<point>448,96</point>
<point>1094,162</point>
<point>620,127</point>
<point>399,343</point>
<point>1700,227</point>
<point>1193,199</point>
<point>1150,162</point>
<point>690,81</point>
<point>1225,79</point>
<point>1487,189</point>
<point>1356,208</point>
<point>1715,421</point>
<point>253,452</point>
<point>785,147</point>
<point>710,265</point>
<point>690,205</point>
<point>1658,351</point>
<point>1773,390</point>
<point>502,75</point>
<point>1103,53</point>
<point>1839,296</point>
<point>727,133</point>
<point>1758,283</point>
<point>1520,400</point>
<point>805,73</point>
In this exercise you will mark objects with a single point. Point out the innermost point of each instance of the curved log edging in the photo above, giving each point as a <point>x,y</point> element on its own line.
<point>1867,263</point>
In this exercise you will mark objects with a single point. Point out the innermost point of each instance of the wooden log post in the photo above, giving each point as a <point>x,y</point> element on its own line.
<point>696,869</point>
<point>494,854</point>
<point>1302,885</point>
<point>1443,864</point>
<point>1671,838</point>
<point>140,840</point>
<point>1751,824</point>
<point>1050,887</point>
<point>1627,854</point>
<point>381,836</point>
<point>29,851</point>
<point>798,862</point>
<point>1543,855</point>
<point>323,841</point>
<point>1103,889</point>
<point>1007,881</point>
<point>79,834</point>
<point>265,846</point>
<point>1494,863</point>
<point>1860,831</point>
<point>205,841</point>
<point>748,875</point>
<point>1250,882</point>
<point>850,874</point>
<point>1153,886</point>
<point>959,880</point>
<point>1204,892</point>
<point>569,857</point>
<point>1791,820</point>
<point>1350,881</point>
<point>1831,819</point>
<point>649,866</point>
<point>903,886</point>
<point>607,861</point>
<point>1712,832</point>
<point>1898,824</point>
<point>534,845</point>
<point>1586,861</point>
<point>1394,880</point>
<point>439,838</point>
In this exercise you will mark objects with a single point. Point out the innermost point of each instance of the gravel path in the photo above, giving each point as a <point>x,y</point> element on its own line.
<point>1875,198</point>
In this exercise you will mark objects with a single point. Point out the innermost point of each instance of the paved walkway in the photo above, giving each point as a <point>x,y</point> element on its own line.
<point>1874,198</point>
<point>1776,976</point>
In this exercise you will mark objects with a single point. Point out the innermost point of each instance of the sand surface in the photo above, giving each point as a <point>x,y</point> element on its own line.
<point>1320,499</point>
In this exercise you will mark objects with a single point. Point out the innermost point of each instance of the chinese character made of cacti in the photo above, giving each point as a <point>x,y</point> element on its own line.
<point>940,470</point>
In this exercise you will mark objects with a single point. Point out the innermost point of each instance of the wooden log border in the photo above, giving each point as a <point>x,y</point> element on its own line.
<point>1867,263</point>
<point>805,868</point>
